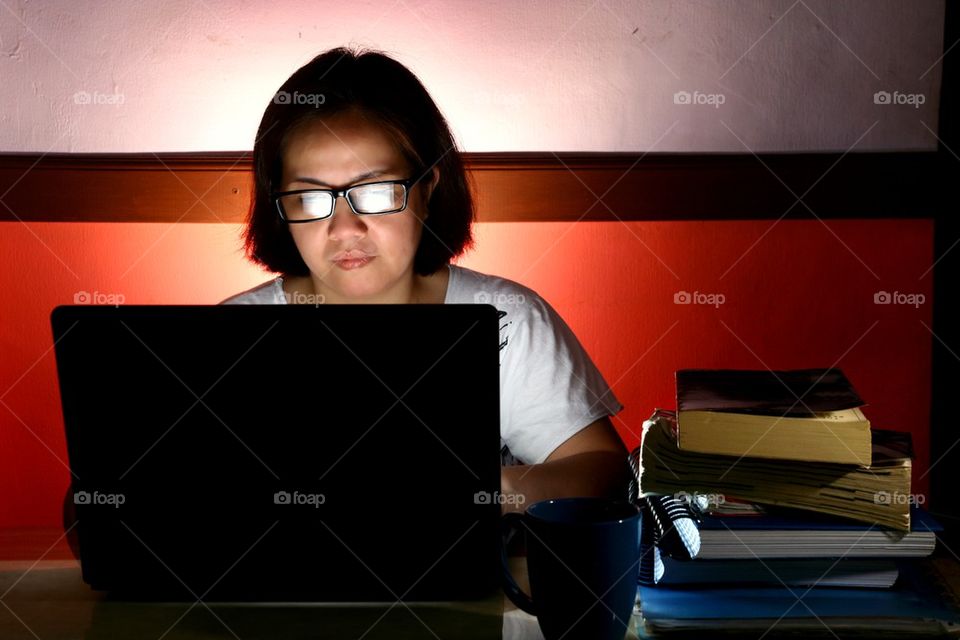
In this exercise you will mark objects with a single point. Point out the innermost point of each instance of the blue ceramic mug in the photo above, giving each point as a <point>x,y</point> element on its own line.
<point>583,557</point>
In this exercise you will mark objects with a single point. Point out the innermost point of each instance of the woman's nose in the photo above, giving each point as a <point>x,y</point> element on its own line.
<point>345,222</point>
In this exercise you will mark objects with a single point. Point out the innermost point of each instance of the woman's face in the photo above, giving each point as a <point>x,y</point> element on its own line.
<point>350,257</point>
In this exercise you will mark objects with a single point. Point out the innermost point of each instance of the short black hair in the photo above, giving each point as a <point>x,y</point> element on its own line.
<point>390,95</point>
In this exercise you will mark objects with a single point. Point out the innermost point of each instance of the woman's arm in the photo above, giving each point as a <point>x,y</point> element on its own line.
<point>592,462</point>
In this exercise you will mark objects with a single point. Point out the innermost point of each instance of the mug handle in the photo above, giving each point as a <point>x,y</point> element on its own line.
<point>510,587</point>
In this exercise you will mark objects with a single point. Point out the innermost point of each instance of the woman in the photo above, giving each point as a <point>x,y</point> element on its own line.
<point>361,197</point>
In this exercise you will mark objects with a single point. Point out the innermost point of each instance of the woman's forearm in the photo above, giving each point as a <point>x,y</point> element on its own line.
<point>593,473</point>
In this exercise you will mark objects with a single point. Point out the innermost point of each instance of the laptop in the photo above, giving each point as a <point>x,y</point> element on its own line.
<point>284,453</point>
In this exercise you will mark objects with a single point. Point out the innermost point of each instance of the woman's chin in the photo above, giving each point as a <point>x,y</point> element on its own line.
<point>359,289</point>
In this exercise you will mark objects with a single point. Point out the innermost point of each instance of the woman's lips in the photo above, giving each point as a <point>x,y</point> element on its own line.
<point>353,261</point>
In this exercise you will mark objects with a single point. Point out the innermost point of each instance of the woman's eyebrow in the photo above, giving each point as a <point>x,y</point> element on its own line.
<point>321,183</point>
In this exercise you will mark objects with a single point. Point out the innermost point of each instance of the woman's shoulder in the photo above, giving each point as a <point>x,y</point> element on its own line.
<point>519,305</point>
<point>467,286</point>
<point>269,292</point>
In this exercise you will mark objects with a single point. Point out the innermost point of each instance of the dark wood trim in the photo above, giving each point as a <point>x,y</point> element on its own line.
<point>510,187</point>
<point>169,187</point>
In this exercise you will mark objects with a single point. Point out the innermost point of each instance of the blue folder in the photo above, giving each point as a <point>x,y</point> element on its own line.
<point>917,599</point>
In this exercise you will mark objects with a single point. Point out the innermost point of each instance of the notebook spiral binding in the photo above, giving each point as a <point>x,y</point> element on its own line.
<point>668,526</point>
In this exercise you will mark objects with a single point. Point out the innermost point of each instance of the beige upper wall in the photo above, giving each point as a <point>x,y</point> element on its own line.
<point>537,75</point>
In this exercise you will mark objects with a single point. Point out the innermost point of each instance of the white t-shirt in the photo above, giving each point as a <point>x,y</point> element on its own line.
<point>549,387</point>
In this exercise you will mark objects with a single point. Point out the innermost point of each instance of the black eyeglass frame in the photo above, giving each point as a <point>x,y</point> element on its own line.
<point>407,183</point>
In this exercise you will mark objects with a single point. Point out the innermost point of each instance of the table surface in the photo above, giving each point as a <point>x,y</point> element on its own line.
<point>42,596</point>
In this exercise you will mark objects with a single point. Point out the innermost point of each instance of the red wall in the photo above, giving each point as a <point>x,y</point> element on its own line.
<point>797,294</point>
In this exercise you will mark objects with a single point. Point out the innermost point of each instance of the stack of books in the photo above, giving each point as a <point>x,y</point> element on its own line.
<point>877,493</point>
<point>805,512</point>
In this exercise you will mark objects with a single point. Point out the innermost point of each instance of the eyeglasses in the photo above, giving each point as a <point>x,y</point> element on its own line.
<point>370,199</point>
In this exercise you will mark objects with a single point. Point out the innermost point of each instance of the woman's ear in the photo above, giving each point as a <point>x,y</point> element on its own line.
<point>434,181</point>
<point>428,190</point>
